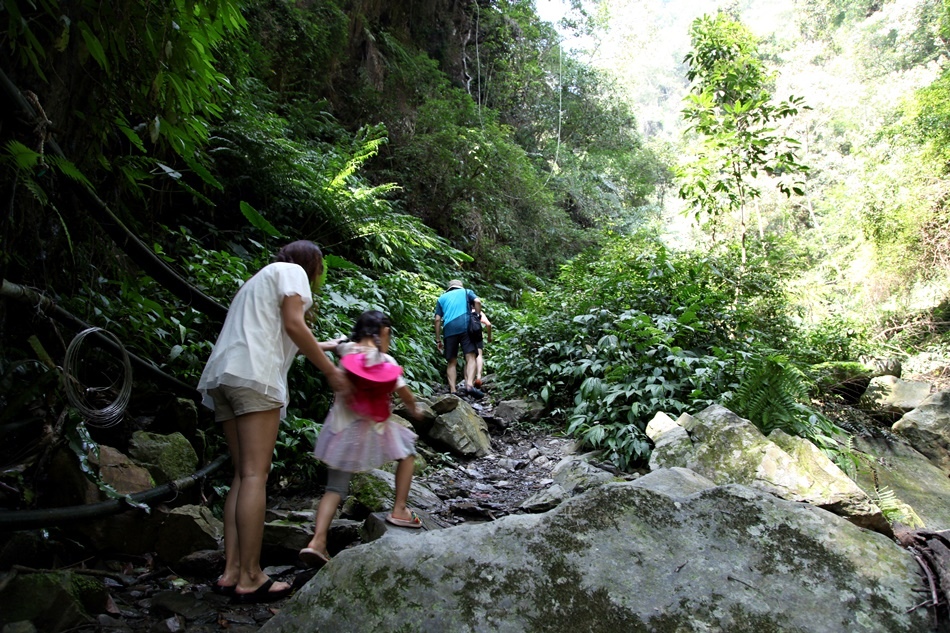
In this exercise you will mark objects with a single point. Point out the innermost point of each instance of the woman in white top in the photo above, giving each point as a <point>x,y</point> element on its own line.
<point>245,382</point>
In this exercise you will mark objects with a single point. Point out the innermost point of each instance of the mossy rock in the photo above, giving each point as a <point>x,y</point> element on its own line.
<point>54,601</point>
<point>367,494</point>
<point>167,457</point>
<point>847,380</point>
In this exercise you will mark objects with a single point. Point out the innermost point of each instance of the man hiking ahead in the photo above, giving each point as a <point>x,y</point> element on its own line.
<point>451,322</point>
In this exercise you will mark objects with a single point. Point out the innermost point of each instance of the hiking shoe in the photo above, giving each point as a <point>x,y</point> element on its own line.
<point>478,384</point>
<point>478,394</point>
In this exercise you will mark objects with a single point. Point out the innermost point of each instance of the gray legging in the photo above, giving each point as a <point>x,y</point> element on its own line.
<point>338,481</point>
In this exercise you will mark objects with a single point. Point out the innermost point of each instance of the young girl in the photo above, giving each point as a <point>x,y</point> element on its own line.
<point>480,343</point>
<point>359,434</point>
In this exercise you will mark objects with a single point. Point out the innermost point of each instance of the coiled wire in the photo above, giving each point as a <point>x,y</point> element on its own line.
<point>79,395</point>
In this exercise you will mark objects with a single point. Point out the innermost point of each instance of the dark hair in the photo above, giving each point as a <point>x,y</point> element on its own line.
<point>304,253</point>
<point>370,324</point>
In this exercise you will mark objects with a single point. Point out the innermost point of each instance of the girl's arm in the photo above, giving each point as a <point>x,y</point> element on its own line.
<point>405,394</point>
<point>487,325</point>
<point>291,310</point>
<point>331,345</point>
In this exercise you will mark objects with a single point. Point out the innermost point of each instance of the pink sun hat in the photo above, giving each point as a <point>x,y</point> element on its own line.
<point>374,382</point>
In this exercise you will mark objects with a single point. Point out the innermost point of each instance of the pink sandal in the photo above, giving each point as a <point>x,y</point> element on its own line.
<point>414,522</point>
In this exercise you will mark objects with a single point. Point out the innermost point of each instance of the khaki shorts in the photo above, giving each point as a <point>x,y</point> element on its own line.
<point>231,402</point>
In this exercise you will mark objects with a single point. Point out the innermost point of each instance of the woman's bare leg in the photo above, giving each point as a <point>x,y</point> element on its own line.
<point>232,561</point>
<point>256,436</point>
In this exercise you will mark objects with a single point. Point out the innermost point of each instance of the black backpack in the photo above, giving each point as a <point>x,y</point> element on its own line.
<point>474,323</point>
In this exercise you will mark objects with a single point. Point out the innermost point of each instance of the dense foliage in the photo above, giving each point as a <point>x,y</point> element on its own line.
<point>422,142</point>
<point>636,328</point>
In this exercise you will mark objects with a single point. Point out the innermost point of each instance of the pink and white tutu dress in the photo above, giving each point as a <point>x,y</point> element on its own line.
<point>353,439</point>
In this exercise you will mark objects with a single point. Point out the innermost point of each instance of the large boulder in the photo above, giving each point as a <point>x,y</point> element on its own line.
<point>624,557</point>
<point>927,428</point>
<point>728,449</point>
<point>896,466</point>
<point>892,394</point>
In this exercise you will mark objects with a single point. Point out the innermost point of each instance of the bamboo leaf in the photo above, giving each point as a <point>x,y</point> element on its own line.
<point>258,220</point>
<point>94,46</point>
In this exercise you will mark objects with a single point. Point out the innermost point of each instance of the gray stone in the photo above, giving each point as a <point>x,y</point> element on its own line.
<point>545,500</point>
<point>445,404</point>
<point>672,448</point>
<point>462,431</point>
<point>893,394</point>
<point>830,488</point>
<point>185,604</point>
<point>927,428</point>
<point>284,538</point>
<point>519,410</point>
<point>730,449</point>
<point>188,529</point>
<point>913,478</point>
<point>674,482</point>
<point>575,475</point>
<point>622,557</point>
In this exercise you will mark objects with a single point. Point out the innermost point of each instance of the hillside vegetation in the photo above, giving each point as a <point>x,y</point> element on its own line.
<point>172,147</point>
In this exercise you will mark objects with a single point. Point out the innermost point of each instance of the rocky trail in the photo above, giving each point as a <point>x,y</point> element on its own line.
<point>145,595</point>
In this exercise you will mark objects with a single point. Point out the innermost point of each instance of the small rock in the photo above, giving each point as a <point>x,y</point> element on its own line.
<point>174,624</point>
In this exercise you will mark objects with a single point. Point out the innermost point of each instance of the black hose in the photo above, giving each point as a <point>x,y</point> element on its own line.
<point>32,519</point>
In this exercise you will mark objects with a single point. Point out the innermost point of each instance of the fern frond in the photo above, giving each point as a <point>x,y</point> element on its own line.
<point>895,510</point>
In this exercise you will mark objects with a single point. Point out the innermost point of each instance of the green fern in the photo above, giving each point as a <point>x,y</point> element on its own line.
<point>895,510</point>
<point>771,393</point>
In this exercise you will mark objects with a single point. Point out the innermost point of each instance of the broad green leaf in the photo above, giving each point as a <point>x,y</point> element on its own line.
<point>258,220</point>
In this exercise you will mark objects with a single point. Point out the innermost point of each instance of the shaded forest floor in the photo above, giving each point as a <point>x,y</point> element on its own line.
<point>149,596</point>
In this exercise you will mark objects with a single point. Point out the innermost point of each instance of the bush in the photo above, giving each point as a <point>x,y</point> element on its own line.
<point>634,329</point>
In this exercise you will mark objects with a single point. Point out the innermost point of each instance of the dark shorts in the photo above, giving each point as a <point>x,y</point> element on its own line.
<point>452,344</point>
